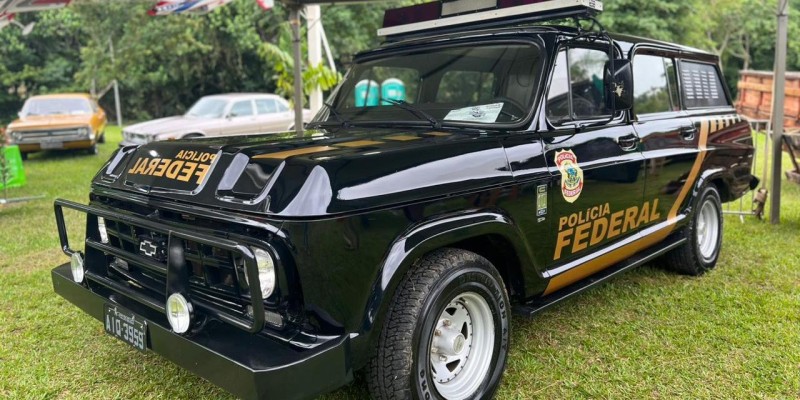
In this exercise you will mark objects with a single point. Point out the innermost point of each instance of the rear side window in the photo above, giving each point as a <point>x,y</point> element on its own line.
<point>654,85</point>
<point>702,86</point>
<point>266,106</point>
<point>576,91</point>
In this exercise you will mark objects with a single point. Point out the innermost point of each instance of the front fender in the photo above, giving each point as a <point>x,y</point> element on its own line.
<point>425,237</point>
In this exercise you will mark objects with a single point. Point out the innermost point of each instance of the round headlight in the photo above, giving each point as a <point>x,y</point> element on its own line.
<point>84,131</point>
<point>266,272</point>
<point>76,265</point>
<point>179,313</point>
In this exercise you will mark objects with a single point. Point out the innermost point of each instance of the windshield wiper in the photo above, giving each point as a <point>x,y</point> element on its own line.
<point>344,122</point>
<point>414,110</point>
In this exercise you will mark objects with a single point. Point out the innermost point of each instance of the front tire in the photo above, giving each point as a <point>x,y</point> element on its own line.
<point>700,252</point>
<point>446,334</point>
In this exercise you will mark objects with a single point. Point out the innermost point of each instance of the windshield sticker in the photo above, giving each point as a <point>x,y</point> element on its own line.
<point>571,175</point>
<point>485,113</point>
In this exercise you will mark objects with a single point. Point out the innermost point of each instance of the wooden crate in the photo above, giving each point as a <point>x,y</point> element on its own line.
<point>755,97</point>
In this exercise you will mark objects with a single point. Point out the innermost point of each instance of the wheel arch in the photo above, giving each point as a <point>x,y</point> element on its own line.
<point>489,234</point>
<point>721,179</point>
<point>190,135</point>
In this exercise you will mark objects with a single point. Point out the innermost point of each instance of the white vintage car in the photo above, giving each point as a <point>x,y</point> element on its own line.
<point>219,115</point>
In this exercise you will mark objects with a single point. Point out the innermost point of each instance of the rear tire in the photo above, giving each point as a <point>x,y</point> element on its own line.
<point>24,156</point>
<point>102,138</point>
<point>699,254</point>
<point>446,334</point>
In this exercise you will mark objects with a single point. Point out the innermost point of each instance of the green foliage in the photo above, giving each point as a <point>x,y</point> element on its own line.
<point>164,64</point>
<point>279,56</point>
<point>674,20</point>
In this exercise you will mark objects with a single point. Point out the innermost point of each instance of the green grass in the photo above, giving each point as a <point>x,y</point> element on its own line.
<point>734,333</point>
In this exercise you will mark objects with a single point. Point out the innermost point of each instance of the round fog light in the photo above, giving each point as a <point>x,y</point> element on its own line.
<point>76,265</point>
<point>179,313</point>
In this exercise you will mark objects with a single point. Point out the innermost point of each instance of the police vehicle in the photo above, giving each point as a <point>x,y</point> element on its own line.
<point>490,157</point>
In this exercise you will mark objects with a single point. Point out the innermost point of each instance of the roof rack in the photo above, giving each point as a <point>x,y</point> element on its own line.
<point>455,15</point>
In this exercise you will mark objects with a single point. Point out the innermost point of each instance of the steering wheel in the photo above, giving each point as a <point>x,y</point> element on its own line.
<point>583,107</point>
<point>514,103</point>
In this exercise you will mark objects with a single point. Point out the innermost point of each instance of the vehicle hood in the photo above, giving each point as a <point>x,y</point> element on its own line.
<point>322,175</point>
<point>41,122</point>
<point>168,125</point>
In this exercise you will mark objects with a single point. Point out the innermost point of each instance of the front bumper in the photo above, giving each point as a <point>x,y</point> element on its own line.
<point>66,144</point>
<point>250,366</point>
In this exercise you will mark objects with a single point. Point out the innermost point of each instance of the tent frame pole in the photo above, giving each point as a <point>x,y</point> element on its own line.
<point>294,21</point>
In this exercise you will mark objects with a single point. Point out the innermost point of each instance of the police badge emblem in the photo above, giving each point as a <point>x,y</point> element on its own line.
<point>571,175</point>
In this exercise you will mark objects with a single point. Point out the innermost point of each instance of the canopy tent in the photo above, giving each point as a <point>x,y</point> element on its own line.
<point>10,8</point>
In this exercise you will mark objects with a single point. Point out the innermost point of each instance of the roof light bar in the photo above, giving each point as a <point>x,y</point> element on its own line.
<point>455,13</point>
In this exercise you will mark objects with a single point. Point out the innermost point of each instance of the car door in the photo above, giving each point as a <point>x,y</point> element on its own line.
<point>595,194</point>
<point>269,119</point>
<point>669,137</point>
<point>241,118</point>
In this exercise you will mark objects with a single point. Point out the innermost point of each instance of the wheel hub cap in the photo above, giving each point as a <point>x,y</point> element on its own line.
<point>708,230</point>
<point>462,345</point>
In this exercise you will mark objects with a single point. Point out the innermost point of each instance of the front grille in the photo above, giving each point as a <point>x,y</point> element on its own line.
<point>60,134</point>
<point>213,272</point>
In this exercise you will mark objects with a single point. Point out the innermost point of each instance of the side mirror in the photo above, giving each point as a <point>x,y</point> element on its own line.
<point>619,85</point>
<point>230,115</point>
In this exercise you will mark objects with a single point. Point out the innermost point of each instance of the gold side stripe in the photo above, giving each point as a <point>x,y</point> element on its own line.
<point>359,143</point>
<point>600,263</point>
<point>438,134</point>
<point>402,138</point>
<point>297,152</point>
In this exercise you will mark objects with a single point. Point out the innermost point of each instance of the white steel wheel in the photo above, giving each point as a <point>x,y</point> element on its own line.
<point>462,345</point>
<point>446,336</point>
<point>708,230</point>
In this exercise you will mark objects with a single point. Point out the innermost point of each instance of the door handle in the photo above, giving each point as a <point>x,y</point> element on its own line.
<point>689,133</point>
<point>628,142</point>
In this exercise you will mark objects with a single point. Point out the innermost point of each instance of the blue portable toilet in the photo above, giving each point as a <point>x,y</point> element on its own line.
<point>367,92</point>
<point>394,89</point>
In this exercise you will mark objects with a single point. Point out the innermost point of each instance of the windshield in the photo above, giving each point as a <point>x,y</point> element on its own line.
<point>56,107</point>
<point>208,108</point>
<point>475,84</point>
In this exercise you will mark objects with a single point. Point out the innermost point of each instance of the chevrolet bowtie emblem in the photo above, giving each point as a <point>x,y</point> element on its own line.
<point>148,248</point>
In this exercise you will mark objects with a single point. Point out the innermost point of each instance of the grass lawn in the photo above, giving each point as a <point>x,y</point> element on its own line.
<point>734,333</point>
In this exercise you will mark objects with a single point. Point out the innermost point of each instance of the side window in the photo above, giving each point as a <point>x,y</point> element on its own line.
<point>282,107</point>
<point>242,108</point>
<point>702,86</point>
<point>468,87</point>
<point>266,106</point>
<point>576,92</point>
<point>653,85</point>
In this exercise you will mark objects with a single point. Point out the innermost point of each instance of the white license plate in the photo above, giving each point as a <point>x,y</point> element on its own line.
<point>52,145</point>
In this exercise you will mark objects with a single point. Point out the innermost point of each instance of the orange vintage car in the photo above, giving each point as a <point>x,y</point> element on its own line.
<point>59,121</point>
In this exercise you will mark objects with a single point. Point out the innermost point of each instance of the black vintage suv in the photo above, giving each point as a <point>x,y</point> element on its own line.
<point>475,164</point>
